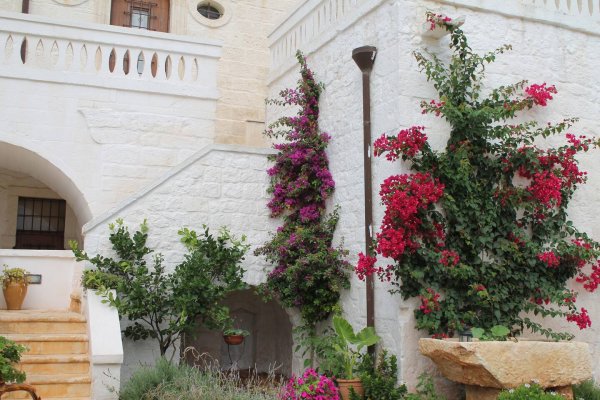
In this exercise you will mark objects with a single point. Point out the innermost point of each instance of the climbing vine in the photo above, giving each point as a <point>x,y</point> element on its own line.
<point>309,271</point>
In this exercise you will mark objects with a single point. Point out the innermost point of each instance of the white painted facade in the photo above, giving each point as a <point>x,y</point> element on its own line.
<point>175,148</point>
<point>554,42</point>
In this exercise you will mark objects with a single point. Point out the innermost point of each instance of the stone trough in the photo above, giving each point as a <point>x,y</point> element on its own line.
<point>485,368</point>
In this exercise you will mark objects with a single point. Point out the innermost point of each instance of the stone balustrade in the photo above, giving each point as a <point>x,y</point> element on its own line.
<point>38,48</point>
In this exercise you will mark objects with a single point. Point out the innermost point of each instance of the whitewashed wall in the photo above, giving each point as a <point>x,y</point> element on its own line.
<point>544,51</point>
<point>219,186</point>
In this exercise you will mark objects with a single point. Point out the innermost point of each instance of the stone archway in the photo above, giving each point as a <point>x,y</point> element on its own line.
<point>41,176</point>
<point>269,347</point>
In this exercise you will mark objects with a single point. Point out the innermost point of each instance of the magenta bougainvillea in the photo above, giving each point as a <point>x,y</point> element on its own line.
<point>309,272</point>
<point>479,232</point>
<point>310,386</point>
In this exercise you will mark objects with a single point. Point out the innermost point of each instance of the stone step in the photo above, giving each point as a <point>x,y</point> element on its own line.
<point>63,386</point>
<point>53,363</point>
<point>48,343</point>
<point>41,321</point>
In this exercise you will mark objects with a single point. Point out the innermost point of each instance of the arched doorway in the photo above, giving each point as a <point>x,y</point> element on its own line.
<point>152,15</point>
<point>269,346</point>
<point>40,206</point>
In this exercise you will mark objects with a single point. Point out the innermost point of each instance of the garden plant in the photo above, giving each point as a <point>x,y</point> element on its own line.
<point>479,230</point>
<point>10,355</point>
<point>309,272</point>
<point>161,305</point>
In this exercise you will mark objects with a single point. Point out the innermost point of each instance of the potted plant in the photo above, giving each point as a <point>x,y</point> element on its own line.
<point>348,346</point>
<point>479,232</point>
<point>14,285</point>
<point>233,336</point>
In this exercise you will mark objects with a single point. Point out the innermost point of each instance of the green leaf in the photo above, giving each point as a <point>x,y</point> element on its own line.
<point>478,333</point>
<point>500,331</point>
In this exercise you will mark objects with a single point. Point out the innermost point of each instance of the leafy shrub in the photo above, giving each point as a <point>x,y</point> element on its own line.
<point>165,381</point>
<point>162,305</point>
<point>588,390</point>
<point>425,390</point>
<point>10,354</point>
<point>528,392</point>
<point>479,232</point>
<point>380,377</point>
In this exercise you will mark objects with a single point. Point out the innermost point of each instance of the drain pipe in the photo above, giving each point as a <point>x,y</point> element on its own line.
<point>25,7</point>
<point>364,57</point>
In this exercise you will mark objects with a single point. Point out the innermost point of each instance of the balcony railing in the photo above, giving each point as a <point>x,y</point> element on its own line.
<point>38,48</point>
<point>316,22</point>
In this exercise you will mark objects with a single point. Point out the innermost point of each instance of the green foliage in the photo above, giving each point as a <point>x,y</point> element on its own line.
<point>496,332</point>
<point>309,271</point>
<point>162,305</point>
<point>380,377</point>
<point>528,392</point>
<point>492,240</point>
<point>166,381</point>
<point>14,275</point>
<point>10,354</point>
<point>236,332</point>
<point>587,390</point>
<point>320,349</point>
<point>350,344</point>
<point>425,390</point>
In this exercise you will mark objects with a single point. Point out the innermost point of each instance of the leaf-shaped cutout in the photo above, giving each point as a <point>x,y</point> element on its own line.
<point>195,70</point>
<point>154,65</point>
<point>126,63</point>
<point>69,56</point>
<point>83,57</point>
<point>24,50</point>
<point>98,59</point>
<point>112,60</point>
<point>168,67</point>
<point>39,49</point>
<point>181,68</point>
<point>54,54</point>
<point>140,63</point>
<point>8,47</point>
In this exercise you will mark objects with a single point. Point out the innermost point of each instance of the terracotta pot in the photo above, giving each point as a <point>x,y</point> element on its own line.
<point>233,340</point>
<point>14,294</point>
<point>345,384</point>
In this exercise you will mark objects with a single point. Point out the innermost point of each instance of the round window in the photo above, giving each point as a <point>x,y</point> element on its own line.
<point>210,9</point>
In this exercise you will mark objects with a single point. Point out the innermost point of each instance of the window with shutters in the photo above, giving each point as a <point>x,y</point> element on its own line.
<point>141,14</point>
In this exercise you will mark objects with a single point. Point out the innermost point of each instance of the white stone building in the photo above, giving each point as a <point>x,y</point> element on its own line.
<point>165,122</point>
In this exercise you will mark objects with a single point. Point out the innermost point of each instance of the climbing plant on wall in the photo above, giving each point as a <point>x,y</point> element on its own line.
<point>479,232</point>
<point>309,271</point>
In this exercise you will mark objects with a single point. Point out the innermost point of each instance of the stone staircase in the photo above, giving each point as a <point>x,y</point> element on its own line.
<point>57,363</point>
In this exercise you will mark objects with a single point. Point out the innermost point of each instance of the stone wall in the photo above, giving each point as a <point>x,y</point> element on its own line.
<point>219,186</point>
<point>542,52</point>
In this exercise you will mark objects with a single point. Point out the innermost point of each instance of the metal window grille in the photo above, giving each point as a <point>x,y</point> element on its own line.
<point>209,11</point>
<point>140,14</point>
<point>40,223</point>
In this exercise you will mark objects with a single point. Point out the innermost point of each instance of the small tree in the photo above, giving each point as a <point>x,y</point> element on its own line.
<point>163,305</point>
<point>10,355</point>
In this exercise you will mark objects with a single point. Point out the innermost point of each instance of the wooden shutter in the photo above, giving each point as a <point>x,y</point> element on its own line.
<point>120,14</point>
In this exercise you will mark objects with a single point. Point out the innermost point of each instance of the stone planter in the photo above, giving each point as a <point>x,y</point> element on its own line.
<point>488,367</point>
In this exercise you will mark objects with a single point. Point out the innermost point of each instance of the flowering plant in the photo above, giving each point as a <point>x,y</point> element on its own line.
<point>310,386</point>
<point>309,272</point>
<point>479,232</point>
<point>529,392</point>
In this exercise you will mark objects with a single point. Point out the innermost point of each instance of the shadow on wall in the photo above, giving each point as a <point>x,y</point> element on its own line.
<point>268,347</point>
